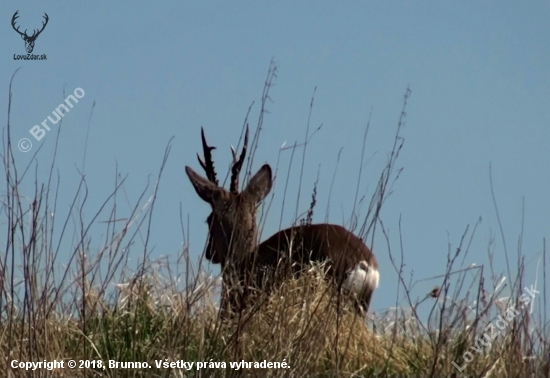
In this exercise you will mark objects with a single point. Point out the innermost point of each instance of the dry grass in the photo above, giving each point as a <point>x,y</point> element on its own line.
<point>299,323</point>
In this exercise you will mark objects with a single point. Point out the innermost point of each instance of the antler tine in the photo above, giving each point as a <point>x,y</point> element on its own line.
<point>237,164</point>
<point>207,164</point>
<point>44,23</point>
<point>15,17</point>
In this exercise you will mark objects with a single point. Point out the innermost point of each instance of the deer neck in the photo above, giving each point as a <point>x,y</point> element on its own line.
<point>241,248</point>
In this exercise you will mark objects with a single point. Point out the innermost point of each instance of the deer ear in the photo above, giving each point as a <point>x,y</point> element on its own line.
<point>259,185</point>
<point>206,190</point>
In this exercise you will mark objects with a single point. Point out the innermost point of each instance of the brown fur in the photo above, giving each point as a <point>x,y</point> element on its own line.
<point>326,243</point>
<point>232,237</point>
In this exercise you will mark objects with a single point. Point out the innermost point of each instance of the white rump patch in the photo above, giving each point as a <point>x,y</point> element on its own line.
<point>362,278</point>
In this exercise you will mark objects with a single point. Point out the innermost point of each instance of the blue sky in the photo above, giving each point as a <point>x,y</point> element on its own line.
<point>480,86</point>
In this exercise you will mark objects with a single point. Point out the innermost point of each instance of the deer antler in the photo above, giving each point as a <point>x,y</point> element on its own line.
<point>208,164</point>
<point>35,34</point>
<point>237,164</point>
<point>15,17</point>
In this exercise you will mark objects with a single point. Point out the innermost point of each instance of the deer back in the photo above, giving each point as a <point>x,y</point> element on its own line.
<point>348,260</point>
<point>316,242</point>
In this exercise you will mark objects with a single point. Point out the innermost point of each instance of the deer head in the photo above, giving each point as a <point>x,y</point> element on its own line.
<point>29,40</point>
<point>232,223</point>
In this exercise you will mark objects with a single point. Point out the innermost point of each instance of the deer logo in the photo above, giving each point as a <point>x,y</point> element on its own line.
<point>29,39</point>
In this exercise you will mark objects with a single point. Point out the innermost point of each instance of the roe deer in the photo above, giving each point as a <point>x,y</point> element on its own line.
<point>232,239</point>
